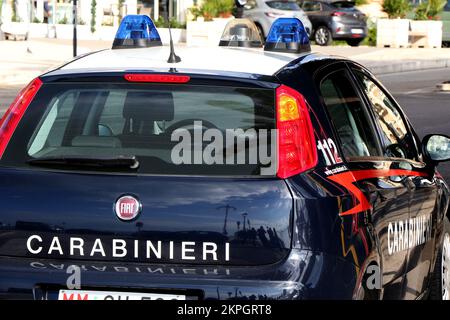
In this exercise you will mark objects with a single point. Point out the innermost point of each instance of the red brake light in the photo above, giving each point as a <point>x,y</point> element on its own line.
<point>162,78</point>
<point>297,150</point>
<point>12,117</point>
<point>337,14</point>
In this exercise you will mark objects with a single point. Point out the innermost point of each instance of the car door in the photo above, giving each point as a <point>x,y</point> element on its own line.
<point>312,10</point>
<point>399,141</point>
<point>381,193</point>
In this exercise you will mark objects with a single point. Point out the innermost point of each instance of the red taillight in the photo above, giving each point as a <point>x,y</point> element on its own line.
<point>297,150</point>
<point>161,78</point>
<point>337,14</point>
<point>11,119</point>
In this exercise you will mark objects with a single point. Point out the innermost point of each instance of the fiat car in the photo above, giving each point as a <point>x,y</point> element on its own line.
<point>240,171</point>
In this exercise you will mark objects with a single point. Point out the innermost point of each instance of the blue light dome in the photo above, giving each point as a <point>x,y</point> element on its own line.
<point>136,31</point>
<point>287,35</point>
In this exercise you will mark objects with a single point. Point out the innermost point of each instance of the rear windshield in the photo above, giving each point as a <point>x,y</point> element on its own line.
<point>183,129</point>
<point>283,5</point>
<point>343,4</point>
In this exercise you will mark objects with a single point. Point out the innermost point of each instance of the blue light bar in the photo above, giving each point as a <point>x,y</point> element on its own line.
<point>287,35</point>
<point>136,31</point>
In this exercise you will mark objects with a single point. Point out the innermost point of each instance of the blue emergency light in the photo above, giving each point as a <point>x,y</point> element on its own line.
<point>287,35</point>
<point>136,31</point>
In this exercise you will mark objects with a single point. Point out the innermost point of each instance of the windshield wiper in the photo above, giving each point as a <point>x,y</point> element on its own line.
<point>85,161</point>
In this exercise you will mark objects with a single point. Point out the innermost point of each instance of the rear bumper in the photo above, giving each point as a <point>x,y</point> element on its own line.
<point>303,275</point>
<point>345,31</point>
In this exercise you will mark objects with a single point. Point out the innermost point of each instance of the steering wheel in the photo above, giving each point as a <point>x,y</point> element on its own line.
<point>190,122</point>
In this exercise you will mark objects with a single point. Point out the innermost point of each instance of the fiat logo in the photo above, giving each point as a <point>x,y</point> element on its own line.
<point>127,207</point>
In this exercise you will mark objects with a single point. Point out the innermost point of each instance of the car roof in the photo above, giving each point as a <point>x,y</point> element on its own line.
<point>214,60</point>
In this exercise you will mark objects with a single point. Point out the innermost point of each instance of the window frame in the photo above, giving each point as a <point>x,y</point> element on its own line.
<point>413,136</point>
<point>320,76</point>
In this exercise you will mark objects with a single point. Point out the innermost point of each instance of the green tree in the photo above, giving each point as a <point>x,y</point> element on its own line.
<point>14,17</point>
<point>93,15</point>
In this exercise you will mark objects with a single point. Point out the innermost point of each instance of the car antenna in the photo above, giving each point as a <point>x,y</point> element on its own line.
<point>173,58</point>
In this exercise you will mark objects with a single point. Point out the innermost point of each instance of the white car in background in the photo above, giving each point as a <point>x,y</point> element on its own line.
<point>264,12</point>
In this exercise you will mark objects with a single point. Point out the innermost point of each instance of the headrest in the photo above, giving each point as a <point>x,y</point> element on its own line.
<point>95,141</point>
<point>149,106</point>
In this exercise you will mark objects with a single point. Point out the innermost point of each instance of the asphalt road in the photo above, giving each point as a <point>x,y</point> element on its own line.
<point>428,110</point>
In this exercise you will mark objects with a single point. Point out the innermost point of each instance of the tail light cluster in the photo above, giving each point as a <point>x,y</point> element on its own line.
<point>297,150</point>
<point>11,119</point>
<point>337,14</point>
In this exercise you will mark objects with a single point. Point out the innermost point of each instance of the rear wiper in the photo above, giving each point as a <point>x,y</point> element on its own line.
<point>85,161</point>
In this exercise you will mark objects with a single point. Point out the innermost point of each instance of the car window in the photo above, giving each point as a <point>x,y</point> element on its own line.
<point>283,5</point>
<point>311,6</point>
<point>154,123</point>
<point>347,112</point>
<point>396,140</point>
<point>343,4</point>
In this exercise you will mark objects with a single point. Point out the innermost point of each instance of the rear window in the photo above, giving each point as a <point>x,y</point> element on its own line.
<point>283,5</point>
<point>170,129</point>
<point>343,4</point>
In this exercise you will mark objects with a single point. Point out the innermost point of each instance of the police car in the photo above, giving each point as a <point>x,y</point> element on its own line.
<point>242,171</point>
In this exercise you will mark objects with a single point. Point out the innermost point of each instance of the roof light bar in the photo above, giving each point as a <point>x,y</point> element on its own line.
<point>241,33</point>
<point>136,31</point>
<point>287,35</point>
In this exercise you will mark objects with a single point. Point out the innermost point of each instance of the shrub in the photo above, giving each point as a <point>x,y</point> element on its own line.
<point>210,9</point>
<point>174,23</point>
<point>396,8</point>
<point>360,2</point>
<point>429,10</point>
<point>64,20</point>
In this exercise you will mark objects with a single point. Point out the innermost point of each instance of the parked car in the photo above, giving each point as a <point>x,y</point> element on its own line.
<point>264,13</point>
<point>338,20</point>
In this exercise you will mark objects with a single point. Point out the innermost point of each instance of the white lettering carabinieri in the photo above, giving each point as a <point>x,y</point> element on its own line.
<point>137,249</point>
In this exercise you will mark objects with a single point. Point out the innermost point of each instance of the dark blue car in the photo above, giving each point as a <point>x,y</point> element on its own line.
<point>219,173</point>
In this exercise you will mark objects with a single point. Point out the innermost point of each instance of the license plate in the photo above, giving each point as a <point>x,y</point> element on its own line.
<point>357,31</point>
<point>113,295</point>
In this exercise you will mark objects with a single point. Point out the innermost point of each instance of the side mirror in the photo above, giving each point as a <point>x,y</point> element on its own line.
<point>436,147</point>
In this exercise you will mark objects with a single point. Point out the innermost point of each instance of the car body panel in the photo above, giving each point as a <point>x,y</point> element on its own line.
<point>183,209</point>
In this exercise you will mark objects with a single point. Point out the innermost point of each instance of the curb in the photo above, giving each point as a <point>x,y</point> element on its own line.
<point>413,65</point>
